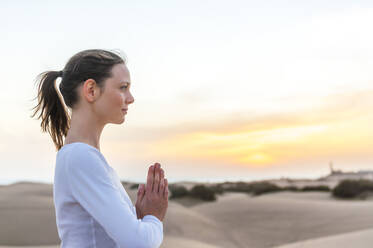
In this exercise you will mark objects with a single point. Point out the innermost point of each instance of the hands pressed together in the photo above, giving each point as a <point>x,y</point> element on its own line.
<point>153,198</point>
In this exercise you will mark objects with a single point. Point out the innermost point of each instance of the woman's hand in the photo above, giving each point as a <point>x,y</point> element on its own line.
<point>153,198</point>
<point>140,197</point>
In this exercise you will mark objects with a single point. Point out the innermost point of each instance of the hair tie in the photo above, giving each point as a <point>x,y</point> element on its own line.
<point>60,73</point>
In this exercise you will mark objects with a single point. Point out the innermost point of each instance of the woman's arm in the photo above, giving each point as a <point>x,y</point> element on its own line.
<point>92,187</point>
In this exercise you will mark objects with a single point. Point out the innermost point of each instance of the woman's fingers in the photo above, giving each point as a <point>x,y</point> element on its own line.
<point>161,186</point>
<point>161,175</point>
<point>165,188</point>
<point>156,177</point>
<point>140,197</point>
<point>161,181</point>
<point>150,179</point>
<point>141,192</point>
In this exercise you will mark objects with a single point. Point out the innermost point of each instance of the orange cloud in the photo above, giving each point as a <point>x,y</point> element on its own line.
<point>338,127</point>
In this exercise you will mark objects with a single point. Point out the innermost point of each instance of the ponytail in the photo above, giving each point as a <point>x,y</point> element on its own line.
<point>54,118</point>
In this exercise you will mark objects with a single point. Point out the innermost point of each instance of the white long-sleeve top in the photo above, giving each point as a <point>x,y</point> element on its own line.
<point>93,210</point>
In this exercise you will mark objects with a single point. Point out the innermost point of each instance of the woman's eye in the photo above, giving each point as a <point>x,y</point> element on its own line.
<point>124,87</point>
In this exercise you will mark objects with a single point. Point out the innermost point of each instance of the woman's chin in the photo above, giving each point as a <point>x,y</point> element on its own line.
<point>118,121</point>
<point>122,120</point>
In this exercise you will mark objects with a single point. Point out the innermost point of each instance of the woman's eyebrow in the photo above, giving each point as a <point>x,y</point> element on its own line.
<point>126,82</point>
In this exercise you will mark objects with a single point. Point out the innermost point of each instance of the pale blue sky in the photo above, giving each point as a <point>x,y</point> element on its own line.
<point>195,65</point>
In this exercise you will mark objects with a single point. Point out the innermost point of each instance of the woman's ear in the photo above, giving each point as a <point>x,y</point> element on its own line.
<point>91,91</point>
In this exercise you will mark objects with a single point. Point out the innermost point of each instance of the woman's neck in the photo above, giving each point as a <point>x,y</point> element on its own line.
<point>84,128</point>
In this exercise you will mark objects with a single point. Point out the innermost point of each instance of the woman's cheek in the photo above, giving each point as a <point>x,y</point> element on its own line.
<point>118,99</point>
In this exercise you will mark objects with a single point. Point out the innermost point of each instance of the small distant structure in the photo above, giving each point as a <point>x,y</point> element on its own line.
<point>332,171</point>
<point>337,175</point>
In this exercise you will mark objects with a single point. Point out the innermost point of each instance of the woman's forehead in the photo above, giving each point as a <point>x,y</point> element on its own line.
<point>120,73</point>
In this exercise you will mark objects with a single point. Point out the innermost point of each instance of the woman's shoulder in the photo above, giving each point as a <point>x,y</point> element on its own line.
<point>78,146</point>
<point>81,154</point>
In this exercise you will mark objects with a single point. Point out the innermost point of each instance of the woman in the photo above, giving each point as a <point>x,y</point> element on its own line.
<point>92,207</point>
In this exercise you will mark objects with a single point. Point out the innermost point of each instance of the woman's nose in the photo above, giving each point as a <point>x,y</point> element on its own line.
<point>130,99</point>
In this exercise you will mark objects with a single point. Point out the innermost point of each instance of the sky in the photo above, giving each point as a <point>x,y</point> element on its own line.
<point>224,90</point>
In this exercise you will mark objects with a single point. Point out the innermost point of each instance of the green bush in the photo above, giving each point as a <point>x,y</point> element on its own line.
<point>134,186</point>
<point>202,192</point>
<point>124,183</point>
<point>316,188</point>
<point>290,188</point>
<point>238,187</point>
<point>255,188</point>
<point>177,191</point>
<point>218,189</point>
<point>260,188</point>
<point>352,188</point>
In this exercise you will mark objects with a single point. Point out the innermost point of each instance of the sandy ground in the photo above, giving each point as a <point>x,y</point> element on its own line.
<point>285,219</point>
<point>361,239</point>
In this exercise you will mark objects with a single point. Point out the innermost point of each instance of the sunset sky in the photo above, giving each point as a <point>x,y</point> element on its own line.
<point>224,90</point>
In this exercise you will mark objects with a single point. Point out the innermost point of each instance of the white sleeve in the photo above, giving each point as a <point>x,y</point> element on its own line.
<point>91,186</point>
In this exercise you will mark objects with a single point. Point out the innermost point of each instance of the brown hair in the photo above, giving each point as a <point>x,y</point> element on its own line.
<point>88,64</point>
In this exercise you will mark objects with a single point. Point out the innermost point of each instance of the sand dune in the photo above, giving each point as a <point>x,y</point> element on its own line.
<point>27,215</point>
<point>178,242</point>
<point>281,218</point>
<point>48,246</point>
<point>168,241</point>
<point>359,239</point>
<point>293,219</point>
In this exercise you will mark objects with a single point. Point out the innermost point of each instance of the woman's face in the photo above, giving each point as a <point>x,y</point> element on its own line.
<point>112,105</point>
